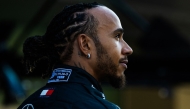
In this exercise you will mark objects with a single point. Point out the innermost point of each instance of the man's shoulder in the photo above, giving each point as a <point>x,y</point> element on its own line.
<point>67,96</point>
<point>57,95</point>
<point>80,104</point>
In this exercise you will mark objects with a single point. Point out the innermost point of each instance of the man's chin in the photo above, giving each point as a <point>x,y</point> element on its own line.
<point>120,74</point>
<point>118,82</point>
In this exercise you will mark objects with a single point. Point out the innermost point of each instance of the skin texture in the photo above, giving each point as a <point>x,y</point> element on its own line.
<point>108,59</point>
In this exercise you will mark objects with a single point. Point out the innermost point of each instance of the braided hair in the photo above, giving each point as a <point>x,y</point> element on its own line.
<point>41,53</point>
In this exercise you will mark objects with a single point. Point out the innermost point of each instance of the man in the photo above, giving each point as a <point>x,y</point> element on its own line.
<point>83,46</point>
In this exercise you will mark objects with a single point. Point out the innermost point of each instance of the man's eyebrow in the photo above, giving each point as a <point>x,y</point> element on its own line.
<point>119,30</point>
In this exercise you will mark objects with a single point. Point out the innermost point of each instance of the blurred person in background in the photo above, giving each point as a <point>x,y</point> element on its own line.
<point>83,46</point>
<point>10,65</point>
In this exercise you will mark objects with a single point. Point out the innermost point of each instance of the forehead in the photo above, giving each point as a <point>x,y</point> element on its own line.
<point>106,17</point>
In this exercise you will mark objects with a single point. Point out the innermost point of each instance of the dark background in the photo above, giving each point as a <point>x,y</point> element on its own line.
<point>158,32</point>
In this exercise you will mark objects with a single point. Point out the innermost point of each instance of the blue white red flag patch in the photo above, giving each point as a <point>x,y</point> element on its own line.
<point>47,92</point>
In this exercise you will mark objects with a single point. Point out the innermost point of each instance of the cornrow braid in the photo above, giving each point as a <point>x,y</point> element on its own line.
<point>59,37</point>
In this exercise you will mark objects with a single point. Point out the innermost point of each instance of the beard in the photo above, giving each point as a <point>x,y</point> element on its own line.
<point>107,69</point>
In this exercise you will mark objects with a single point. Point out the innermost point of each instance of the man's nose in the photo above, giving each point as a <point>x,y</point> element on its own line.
<point>127,50</point>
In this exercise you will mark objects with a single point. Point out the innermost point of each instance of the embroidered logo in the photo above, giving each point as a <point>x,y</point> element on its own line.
<point>60,75</point>
<point>93,86</point>
<point>28,106</point>
<point>103,96</point>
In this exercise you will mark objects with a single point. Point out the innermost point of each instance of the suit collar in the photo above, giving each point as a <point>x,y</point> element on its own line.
<point>66,73</point>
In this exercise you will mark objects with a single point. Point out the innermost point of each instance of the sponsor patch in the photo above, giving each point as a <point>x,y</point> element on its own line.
<point>60,75</point>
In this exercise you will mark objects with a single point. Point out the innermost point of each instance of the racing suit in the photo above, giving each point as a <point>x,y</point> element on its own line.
<point>69,88</point>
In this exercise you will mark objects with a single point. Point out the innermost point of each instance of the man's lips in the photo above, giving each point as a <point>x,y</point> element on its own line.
<point>124,63</point>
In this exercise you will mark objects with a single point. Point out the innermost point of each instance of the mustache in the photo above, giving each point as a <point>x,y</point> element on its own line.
<point>123,59</point>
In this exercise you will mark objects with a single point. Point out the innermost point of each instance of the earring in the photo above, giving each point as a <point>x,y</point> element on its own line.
<point>88,56</point>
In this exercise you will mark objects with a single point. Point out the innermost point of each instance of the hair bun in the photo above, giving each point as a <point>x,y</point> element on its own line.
<point>34,47</point>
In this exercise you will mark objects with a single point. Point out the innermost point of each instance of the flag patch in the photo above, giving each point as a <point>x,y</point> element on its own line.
<point>47,92</point>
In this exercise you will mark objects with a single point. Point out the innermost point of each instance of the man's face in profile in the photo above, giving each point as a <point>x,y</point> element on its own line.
<point>112,50</point>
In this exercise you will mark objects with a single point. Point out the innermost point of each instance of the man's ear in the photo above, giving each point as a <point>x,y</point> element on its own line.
<point>84,43</point>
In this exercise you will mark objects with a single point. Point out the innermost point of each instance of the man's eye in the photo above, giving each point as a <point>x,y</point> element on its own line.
<point>118,36</point>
